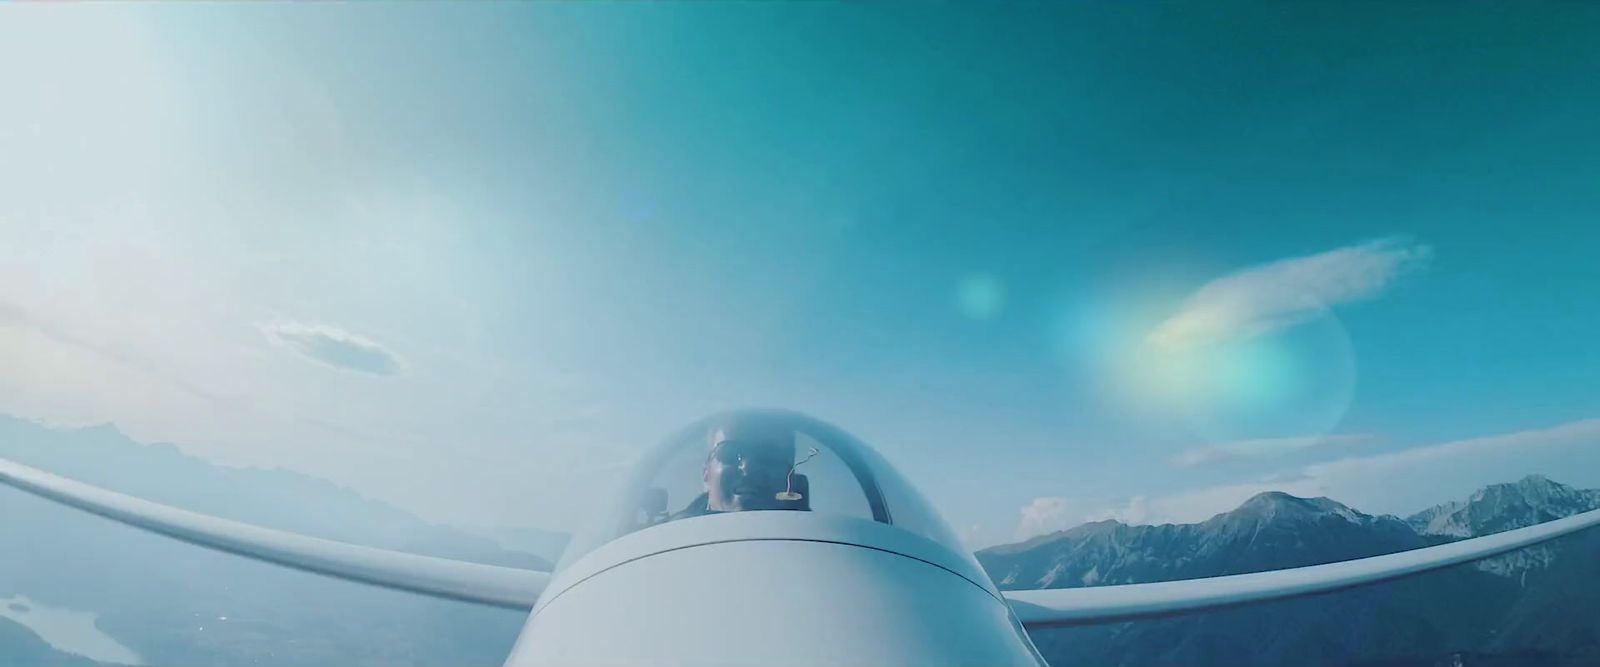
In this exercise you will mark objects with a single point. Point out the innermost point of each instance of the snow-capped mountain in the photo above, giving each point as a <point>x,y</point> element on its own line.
<point>1530,500</point>
<point>1476,611</point>
<point>1500,507</point>
<point>1268,531</point>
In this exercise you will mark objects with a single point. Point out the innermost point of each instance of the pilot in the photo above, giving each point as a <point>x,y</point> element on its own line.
<point>747,467</point>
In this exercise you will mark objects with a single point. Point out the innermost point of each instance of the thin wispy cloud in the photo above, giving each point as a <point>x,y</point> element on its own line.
<point>336,347</point>
<point>1261,449</point>
<point>1583,432</point>
<point>13,315</point>
<point>1383,482</point>
<point>1286,292</point>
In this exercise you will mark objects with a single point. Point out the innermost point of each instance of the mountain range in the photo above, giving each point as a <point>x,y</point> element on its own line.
<point>174,604</point>
<point>1536,606</point>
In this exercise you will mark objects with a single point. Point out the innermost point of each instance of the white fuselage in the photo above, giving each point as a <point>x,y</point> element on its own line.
<point>772,588</point>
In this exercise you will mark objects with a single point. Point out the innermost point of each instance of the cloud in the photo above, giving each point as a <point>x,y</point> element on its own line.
<point>1397,482</point>
<point>1286,477</point>
<point>336,347</point>
<point>1281,294</point>
<point>11,314</point>
<point>1260,449</point>
<point>1133,510</point>
<point>1201,504</point>
<point>1048,514</point>
<point>1582,432</point>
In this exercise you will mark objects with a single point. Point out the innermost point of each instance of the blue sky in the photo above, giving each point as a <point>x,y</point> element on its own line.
<point>1058,262</point>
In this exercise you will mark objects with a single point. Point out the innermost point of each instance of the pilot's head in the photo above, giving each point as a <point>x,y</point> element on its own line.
<point>749,464</point>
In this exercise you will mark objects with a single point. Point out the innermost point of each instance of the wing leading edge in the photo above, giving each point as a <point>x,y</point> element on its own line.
<point>440,577</point>
<point>1098,604</point>
<point>519,588</point>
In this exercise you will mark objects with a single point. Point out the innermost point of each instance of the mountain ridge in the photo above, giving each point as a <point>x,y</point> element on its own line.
<point>1528,607</point>
<point>1109,551</point>
<point>276,497</point>
<point>1518,608</point>
<point>149,591</point>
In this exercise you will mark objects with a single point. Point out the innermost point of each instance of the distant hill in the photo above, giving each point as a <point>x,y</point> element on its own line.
<point>167,600</point>
<point>546,544</point>
<point>1521,608</point>
<point>277,498</point>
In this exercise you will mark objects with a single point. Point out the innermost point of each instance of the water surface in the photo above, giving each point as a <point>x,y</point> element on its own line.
<point>68,630</point>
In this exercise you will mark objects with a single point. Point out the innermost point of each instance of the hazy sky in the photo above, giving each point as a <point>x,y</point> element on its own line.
<point>1135,260</point>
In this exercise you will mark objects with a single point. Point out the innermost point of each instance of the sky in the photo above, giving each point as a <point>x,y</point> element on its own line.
<point>1058,262</point>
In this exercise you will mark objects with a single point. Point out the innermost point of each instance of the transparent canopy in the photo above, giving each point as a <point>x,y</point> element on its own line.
<point>762,461</point>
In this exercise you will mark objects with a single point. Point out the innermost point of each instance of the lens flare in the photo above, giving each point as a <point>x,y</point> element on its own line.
<point>1291,382</point>
<point>980,296</point>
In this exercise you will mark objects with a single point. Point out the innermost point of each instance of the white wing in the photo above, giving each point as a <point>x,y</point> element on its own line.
<point>1077,606</point>
<point>442,577</point>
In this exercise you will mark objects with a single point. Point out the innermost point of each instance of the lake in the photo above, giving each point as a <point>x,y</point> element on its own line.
<point>68,630</point>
